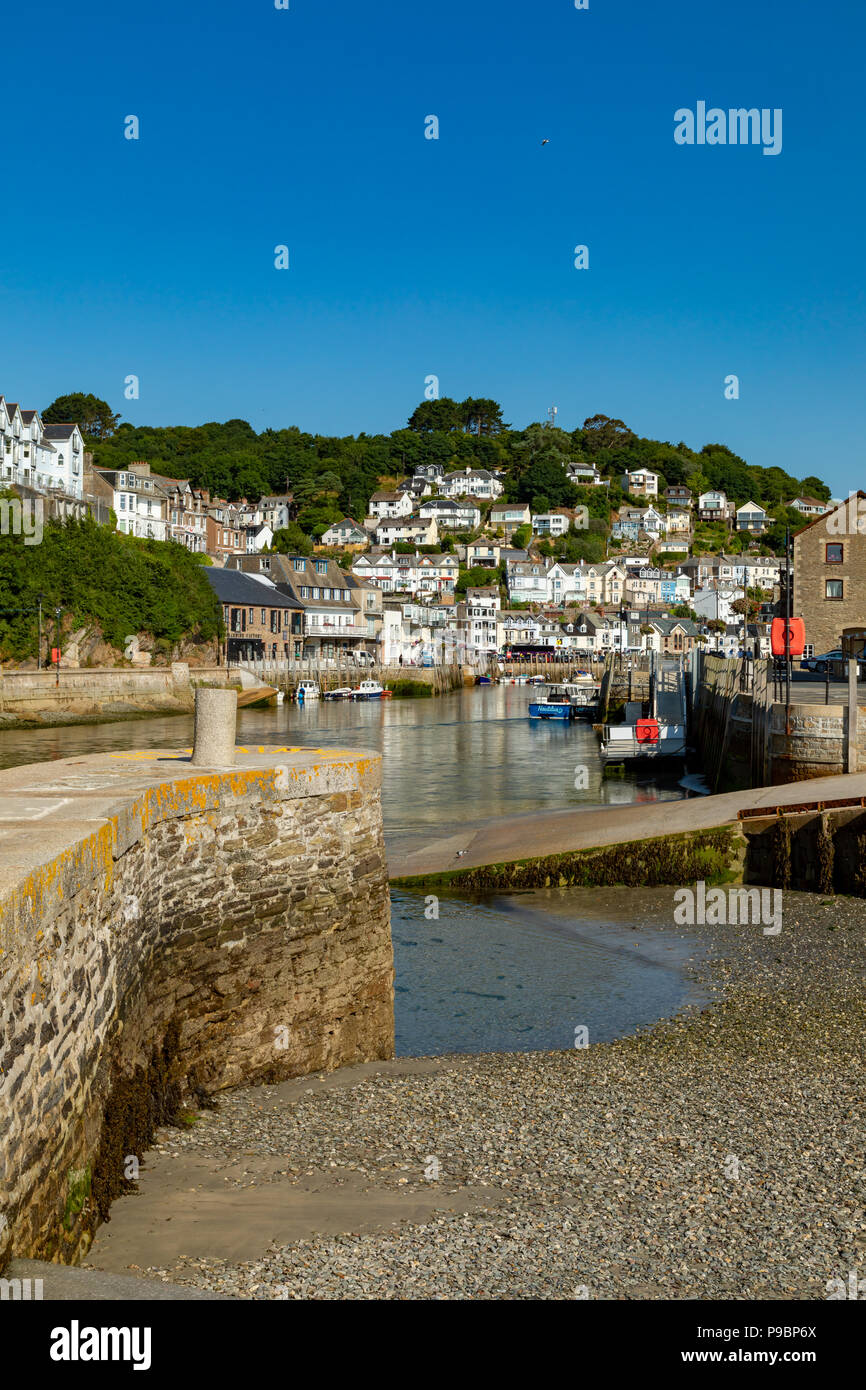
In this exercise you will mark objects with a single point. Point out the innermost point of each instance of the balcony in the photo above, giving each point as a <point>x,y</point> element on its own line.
<point>315,627</point>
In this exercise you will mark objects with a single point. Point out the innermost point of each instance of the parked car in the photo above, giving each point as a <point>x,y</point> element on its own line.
<point>819,664</point>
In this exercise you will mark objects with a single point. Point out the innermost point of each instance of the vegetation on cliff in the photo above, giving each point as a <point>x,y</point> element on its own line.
<point>98,576</point>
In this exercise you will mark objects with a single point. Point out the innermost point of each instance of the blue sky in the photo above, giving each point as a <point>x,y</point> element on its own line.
<point>453,257</point>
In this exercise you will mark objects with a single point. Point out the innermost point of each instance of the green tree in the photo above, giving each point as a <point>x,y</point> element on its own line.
<point>443,414</point>
<point>291,540</point>
<point>601,432</point>
<point>94,417</point>
<point>813,487</point>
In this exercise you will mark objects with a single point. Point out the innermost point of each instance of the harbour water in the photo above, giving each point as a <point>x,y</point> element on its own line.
<point>457,758</point>
<point>525,972</point>
<point>516,973</point>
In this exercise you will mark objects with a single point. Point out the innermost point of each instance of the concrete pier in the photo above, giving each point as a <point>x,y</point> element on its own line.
<point>540,834</point>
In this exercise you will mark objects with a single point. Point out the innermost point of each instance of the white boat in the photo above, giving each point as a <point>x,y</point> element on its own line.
<point>310,690</point>
<point>369,690</point>
<point>343,692</point>
<point>648,738</point>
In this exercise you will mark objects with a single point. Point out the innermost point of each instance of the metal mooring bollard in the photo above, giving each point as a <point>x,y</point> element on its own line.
<point>216,717</point>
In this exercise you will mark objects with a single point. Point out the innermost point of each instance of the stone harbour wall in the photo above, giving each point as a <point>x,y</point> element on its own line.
<point>167,932</point>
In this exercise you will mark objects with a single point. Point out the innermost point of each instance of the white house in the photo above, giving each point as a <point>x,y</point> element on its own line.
<point>717,603</point>
<point>384,504</point>
<point>640,483</point>
<point>477,619</point>
<point>471,482</point>
<point>431,471</point>
<point>585,475</point>
<point>566,583</point>
<point>138,500</point>
<point>554,523</point>
<point>345,532</point>
<point>39,456</point>
<point>259,538</point>
<point>277,509</point>
<point>451,514</point>
<point>68,467</point>
<point>414,529</point>
<point>527,583</point>
<point>421,575</point>
<point>811,506</point>
<point>714,506</point>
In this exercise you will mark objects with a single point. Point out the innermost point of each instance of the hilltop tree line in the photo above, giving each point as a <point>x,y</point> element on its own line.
<point>333,476</point>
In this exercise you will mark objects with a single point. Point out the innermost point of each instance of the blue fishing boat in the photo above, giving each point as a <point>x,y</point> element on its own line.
<point>556,704</point>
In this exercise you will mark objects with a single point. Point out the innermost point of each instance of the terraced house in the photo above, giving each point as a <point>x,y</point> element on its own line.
<point>187,511</point>
<point>333,624</point>
<point>427,575</point>
<point>139,501</point>
<point>41,457</point>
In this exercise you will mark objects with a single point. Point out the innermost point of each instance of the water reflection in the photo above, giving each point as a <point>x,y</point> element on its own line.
<point>470,755</point>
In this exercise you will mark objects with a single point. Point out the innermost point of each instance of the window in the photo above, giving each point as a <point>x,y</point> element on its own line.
<point>834,553</point>
<point>264,617</point>
<point>833,589</point>
<point>321,567</point>
<point>299,565</point>
<point>252,616</point>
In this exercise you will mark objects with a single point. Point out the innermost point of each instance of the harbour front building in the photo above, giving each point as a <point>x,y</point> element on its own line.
<point>334,625</point>
<point>829,580</point>
<point>261,623</point>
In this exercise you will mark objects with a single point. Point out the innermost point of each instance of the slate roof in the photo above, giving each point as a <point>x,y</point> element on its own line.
<point>233,586</point>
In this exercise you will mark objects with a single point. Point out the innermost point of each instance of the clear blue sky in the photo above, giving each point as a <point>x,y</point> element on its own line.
<point>454,257</point>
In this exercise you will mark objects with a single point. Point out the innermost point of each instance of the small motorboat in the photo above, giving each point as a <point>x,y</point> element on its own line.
<point>369,690</point>
<point>343,692</point>
<point>483,680</point>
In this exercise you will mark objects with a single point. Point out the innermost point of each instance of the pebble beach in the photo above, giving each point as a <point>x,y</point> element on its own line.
<point>718,1154</point>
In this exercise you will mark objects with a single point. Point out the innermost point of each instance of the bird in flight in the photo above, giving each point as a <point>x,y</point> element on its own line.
<point>545,142</point>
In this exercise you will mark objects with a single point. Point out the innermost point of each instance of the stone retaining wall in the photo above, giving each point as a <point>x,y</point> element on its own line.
<point>166,932</point>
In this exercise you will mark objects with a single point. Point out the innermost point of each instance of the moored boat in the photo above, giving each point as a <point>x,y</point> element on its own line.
<point>556,704</point>
<point>369,690</point>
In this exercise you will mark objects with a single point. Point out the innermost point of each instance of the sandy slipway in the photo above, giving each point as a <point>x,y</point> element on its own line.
<point>718,1155</point>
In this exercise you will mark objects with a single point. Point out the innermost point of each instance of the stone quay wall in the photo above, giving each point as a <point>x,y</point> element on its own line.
<point>746,738</point>
<point>167,932</point>
<point>103,692</point>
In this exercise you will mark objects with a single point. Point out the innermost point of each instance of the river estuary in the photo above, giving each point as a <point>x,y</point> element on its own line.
<point>514,973</point>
